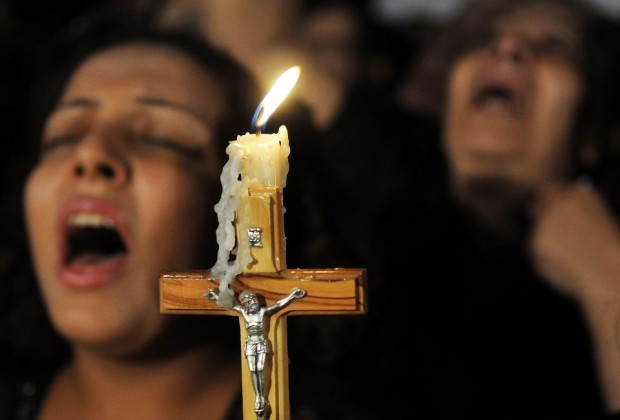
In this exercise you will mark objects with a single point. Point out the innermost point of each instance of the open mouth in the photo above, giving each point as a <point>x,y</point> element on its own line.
<point>495,96</point>
<point>501,92</point>
<point>92,239</point>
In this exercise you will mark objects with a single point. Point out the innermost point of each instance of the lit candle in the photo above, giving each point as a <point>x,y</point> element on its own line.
<point>254,160</point>
<point>264,157</point>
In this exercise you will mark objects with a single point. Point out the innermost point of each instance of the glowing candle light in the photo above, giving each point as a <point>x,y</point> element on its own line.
<point>254,160</point>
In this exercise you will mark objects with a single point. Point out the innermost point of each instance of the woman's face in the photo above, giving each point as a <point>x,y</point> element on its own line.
<point>512,100</point>
<point>123,191</point>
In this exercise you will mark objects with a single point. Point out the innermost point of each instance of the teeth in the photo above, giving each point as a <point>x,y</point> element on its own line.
<point>90,220</point>
<point>495,101</point>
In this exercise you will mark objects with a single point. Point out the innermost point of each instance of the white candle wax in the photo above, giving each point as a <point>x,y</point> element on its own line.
<point>266,157</point>
<point>253,160</point>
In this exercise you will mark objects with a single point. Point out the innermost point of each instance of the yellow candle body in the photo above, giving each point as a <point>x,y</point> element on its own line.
<point>254,160</point>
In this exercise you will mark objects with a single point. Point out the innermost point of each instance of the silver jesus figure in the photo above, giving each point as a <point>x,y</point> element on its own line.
<point>256,344</point>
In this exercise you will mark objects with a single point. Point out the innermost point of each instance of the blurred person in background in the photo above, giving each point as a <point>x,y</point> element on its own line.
<point>505,297</point>
<point>347,70</point>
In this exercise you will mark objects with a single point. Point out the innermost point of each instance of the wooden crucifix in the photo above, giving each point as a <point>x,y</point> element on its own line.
<point>325,291</point>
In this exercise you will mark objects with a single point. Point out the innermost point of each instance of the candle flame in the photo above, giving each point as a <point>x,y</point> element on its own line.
<point>280,90</point>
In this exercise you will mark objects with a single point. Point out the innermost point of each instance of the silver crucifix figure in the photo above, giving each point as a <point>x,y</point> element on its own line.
<point>256,344</point>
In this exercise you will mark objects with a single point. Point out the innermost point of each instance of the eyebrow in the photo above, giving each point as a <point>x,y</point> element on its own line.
<point>143,100</point>
<point>76,103</point>
<point>163,103</point>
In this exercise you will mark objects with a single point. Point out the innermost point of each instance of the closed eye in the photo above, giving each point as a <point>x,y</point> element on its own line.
<point>175,146</point>
<point>57,142</point>
<point>559,47</point>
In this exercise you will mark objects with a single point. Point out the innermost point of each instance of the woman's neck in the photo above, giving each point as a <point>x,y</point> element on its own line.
<point>201,383</point>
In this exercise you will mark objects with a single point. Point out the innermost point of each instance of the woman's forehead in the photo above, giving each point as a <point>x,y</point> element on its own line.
<point>148,59</point>
<point>153,69</point>
<point>550,15</point>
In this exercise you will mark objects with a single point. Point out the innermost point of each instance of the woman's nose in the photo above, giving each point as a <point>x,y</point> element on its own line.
<point>511,47</point>
<point>100,159</point>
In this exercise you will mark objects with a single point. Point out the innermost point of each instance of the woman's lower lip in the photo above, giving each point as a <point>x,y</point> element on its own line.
<point>86,273</point>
